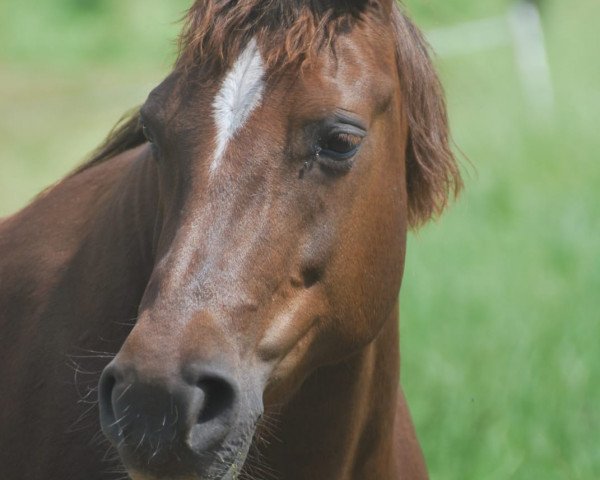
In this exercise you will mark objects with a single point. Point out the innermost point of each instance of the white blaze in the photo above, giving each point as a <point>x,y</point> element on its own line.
<point>240,93</point>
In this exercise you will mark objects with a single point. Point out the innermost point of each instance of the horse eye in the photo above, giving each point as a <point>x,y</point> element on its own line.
<point>340,145</point>
<point>146,132</point>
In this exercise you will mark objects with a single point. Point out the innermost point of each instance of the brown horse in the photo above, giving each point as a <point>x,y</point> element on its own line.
<point>240,242</point>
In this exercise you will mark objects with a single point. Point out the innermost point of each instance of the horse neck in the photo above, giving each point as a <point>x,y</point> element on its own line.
<point>73,266</point>
<point>340,425</point>
<point>88,238</point>
<point>117,249</point>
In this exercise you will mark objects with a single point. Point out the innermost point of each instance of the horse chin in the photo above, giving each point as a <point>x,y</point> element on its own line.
<point>224,463</point>
<point>213,473</point>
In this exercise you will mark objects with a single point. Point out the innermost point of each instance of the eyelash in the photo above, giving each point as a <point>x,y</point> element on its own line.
<point>331,146</point>
<point>331,160</point>
<point>150,139</point>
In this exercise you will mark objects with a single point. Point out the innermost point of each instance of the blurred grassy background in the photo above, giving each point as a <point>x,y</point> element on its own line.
<point>500,303</point>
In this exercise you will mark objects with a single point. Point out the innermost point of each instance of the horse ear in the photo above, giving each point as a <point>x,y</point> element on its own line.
<point>432,174</point>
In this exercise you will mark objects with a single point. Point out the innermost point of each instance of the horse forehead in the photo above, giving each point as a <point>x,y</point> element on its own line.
<point>242,88</point>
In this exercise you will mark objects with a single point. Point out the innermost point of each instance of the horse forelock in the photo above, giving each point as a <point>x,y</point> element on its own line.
<point>289,32</point>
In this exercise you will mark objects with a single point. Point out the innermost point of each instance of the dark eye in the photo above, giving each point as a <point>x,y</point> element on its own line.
<point>147,133</point>
<point>340,145</point>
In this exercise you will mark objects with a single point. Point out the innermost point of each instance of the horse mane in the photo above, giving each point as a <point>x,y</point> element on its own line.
<point>125,135</point>
<point>291,34</point>
<point>432,173</point>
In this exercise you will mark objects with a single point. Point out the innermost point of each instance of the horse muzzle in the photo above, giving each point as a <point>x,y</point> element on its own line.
<point>196,424</point>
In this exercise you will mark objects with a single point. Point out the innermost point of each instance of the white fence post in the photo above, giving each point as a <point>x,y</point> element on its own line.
<point>531,56</point>
<point>521,28</point>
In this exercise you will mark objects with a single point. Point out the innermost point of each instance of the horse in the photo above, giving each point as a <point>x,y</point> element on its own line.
<point>226,266</point>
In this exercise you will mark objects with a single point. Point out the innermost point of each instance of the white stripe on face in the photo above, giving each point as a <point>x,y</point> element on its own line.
<point>240,93</point>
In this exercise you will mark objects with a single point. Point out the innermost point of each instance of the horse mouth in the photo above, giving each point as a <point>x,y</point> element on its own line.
<point>176,461</point>
<point>218,469</point>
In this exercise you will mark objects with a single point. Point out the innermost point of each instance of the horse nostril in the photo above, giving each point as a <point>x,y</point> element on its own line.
<point>215,411</point>
<point>219,398</point>
<point>107,414</point>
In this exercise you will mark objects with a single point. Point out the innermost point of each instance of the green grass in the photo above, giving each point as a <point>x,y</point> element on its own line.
<point>500,304</point>
<point>501,297</point>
